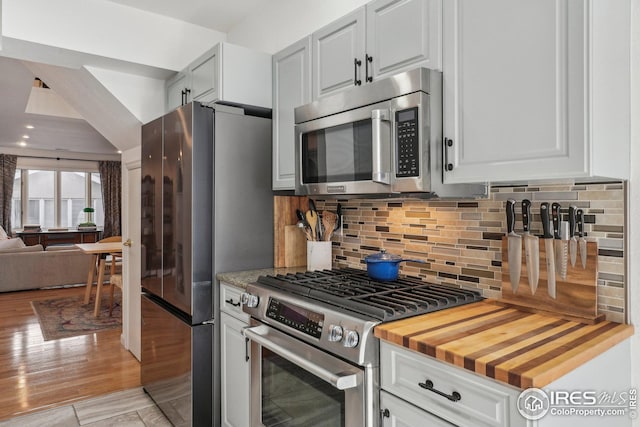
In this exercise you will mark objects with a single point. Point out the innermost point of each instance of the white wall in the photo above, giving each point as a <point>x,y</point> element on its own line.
<point>287,21</point>
<point>107,29</point>
<point>633,249</point>
<point>143,96</point>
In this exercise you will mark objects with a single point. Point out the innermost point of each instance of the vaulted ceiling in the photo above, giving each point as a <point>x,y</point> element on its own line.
<point>69,134</point>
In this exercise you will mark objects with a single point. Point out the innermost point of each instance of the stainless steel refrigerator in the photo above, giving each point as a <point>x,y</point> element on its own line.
<point>207,207</point>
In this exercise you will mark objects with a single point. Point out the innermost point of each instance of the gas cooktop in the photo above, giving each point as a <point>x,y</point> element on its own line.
<point>352,291</point>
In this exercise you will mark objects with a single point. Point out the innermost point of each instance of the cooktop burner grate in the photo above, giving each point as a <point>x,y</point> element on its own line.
<point>353,291</point>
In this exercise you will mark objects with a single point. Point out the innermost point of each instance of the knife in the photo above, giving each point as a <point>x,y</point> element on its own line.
<point>514,247</point>
<point>561,248</point>
<point>582,241</point>
<point>548,245</point>
<point>573,242</point>
<point>531,248</point>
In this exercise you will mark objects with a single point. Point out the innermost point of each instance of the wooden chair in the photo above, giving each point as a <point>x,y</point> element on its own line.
<point>115,281</point>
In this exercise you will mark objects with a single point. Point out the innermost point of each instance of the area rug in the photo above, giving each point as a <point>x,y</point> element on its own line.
<point>69,317</point>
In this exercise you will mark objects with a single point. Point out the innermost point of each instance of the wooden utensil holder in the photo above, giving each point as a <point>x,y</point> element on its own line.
<point>576,296</point>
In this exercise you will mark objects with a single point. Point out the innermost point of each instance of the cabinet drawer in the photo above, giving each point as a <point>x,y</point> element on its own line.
<point>482,401</point>
<point>230,301</point>
<point>398,413</point>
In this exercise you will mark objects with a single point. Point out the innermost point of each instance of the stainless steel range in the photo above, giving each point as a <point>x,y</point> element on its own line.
<point>315,360</point>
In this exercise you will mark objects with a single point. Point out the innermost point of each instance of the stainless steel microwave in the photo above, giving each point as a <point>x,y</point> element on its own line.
<point>381,139</point>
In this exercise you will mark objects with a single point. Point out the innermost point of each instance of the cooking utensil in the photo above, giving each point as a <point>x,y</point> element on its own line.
<point>312,220</point>
<point>329,220</point>
<point>514,246</point>
<point>548,245</point>
<point>531,248</point>
<point>561,247</point>
<point>573,242</point>
<point>305,230</point>
<point>384,267</point>
<point>582,242</point>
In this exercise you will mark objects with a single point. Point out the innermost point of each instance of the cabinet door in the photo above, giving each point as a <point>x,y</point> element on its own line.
<point>403,34</point>
<point>513,89</point>
<point>291,88</point>
<point>204,77</point>
<point>175,91</point>
<point>335,48</point>
<point>234,372</point>
<point>398,413</point>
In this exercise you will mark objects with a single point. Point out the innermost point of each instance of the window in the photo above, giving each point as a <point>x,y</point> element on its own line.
<point>56,198</point>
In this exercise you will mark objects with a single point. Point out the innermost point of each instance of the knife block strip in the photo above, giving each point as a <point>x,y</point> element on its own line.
<point>576,297</point>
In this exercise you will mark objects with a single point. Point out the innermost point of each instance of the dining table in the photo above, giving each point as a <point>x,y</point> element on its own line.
<point>99,252</point>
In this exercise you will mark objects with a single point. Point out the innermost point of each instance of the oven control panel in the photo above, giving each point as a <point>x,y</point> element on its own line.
<point>296,317</point>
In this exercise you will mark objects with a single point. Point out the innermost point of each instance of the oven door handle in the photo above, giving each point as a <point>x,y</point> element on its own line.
<point>281,344</point>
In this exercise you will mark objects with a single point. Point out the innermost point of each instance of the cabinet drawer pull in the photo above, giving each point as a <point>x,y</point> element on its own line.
<point>356,64</point>
<point>428,385</point>
<point>367,60</point>
<point>230,301</point>
<point>445,150</point>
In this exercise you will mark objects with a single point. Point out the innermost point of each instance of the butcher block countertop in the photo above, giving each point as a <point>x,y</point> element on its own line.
<point>519,348</point>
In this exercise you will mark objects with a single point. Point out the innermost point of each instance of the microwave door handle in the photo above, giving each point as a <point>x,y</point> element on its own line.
<point>381,146</point>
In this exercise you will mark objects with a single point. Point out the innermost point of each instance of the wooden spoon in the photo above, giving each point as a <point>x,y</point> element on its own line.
<point>329,220</point>
<point>312,219</point>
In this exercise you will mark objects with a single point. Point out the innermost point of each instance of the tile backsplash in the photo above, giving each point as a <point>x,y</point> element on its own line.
<point>460,240</point>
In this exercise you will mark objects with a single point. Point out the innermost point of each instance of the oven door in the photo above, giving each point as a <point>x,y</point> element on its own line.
<point>295,384</point>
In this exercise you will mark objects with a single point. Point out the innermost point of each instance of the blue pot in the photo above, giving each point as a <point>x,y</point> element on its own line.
<point>384,267</point>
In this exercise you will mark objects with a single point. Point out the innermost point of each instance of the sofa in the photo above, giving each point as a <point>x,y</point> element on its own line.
<point>31,267</point>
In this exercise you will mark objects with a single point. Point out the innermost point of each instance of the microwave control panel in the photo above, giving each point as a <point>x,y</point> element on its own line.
<point>407,149</point>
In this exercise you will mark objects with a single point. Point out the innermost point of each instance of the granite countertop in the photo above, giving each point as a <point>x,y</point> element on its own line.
<point>516,347</point>
<point>241,279</point>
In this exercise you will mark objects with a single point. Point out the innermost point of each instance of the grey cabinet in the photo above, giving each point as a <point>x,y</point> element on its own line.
<point>235,370</point>
<point>403,34</point>
<point>226,72</point>
<point>177,91</point>
<point>338,51</point>
<point>543,98</point>
<point>380,39</point>
<point>291,88</point>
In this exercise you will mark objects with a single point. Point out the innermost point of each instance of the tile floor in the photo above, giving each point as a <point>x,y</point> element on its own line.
<point>125,408</point>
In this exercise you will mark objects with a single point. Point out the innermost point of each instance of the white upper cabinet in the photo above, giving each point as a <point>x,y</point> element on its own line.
<point>176,91</point>
<point>535,89</point>
<point>380,39</point>
<point>226,73</point>
<point>291,88</point>
<point>338,51</point>
<point>402,34</point>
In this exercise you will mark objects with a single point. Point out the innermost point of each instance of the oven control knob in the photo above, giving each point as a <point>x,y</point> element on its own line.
<point>251,301</point>
<point>351,338</point>
<point>335,333</point>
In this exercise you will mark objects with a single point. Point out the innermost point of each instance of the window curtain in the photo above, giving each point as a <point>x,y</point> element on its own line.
<point>7,175</point>
<point>111,179</point>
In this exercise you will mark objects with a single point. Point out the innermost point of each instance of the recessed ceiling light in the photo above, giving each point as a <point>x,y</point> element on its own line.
<point>119,151</point>
<point>22,144</point>
<point>29,126</point>
<point>25,136</point>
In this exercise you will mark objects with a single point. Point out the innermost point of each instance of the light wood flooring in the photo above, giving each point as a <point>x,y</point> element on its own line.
<point>37,374</point>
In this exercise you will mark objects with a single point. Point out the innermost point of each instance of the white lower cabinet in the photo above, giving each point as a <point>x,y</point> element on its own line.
<point>398,413</point>
<point>445,391</point>
<point>234,360</point>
